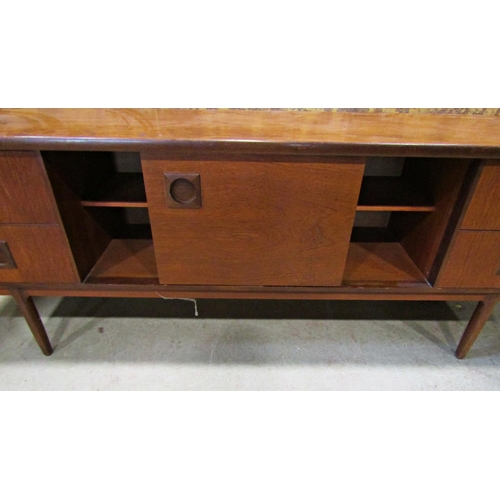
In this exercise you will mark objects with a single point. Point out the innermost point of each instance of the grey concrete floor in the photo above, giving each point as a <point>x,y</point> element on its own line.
<point>136,344</point>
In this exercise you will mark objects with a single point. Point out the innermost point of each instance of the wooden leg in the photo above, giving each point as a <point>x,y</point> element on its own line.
<point>476,323</point>
<point>32,317</point>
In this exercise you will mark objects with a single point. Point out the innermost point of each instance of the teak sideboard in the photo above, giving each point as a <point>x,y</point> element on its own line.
<point>275,204</point>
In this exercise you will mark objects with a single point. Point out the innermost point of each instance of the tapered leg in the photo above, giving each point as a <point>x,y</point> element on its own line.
<point>476,323</point>
<point>32,317</point>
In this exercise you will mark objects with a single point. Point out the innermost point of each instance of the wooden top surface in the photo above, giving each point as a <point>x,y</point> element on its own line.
<point>79,128</point>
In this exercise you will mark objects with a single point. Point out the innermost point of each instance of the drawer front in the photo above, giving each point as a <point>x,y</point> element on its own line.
<point>25,193</point>
<point>484,209</point>
<point>474,261</point>
<point>251,223</point>
<point>34,254</point>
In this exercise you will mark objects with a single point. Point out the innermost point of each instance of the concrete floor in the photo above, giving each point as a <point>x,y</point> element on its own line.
<point>136,344</point>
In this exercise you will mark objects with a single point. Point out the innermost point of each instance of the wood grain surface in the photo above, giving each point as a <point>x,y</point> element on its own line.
<point>476,323</point>
<point>484,209</point>
<point>381,264</point>
<point>260,223</point>
<point>125,261</point>
<point>86,238</point>
<point>257,292</point>
<point>25,194</point>
<point>423,236</point>
<point>41,254</point>
<point>30,313</point>
<point>473,262</point>
<point>140,126</point>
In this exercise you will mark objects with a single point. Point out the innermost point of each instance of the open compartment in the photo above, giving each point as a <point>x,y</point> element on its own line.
<point>405,210</point>
<point>392,185</point>
<point>117,183</point>
<point>103,207</point>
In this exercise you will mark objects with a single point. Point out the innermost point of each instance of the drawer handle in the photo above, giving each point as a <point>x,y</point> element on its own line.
<point>6,259</point>
<point>183,190</point>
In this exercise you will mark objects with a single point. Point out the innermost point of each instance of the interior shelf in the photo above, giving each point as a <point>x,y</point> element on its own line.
<point>368,264</point>
<point>380,194</point>
<point>126,262</point>
<point>381,264</point>
<point>123,189</point>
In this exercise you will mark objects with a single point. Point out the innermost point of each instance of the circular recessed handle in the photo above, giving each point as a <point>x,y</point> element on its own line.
<point>182,191</point>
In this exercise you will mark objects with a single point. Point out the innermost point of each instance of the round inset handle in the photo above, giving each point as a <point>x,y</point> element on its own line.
<point>182,191</point>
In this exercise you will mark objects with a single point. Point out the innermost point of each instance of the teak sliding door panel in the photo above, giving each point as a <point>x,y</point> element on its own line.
<point>251,222</point>
<point>473,262</point>
<point>25,195</point>
<point>484,210</point>
<point>35,254</point>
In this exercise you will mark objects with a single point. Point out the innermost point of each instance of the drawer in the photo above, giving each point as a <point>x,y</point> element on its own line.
<point>35,254</point>
<point>25,193</point>
<point>473,262</point>
<point>484,209</point>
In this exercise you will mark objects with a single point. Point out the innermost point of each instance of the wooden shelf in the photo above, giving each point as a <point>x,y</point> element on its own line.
<point>121,190</point>
<point>368,264</point>
<point>381,264</point>
<point>389,194</point>
<point>126,262</point>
